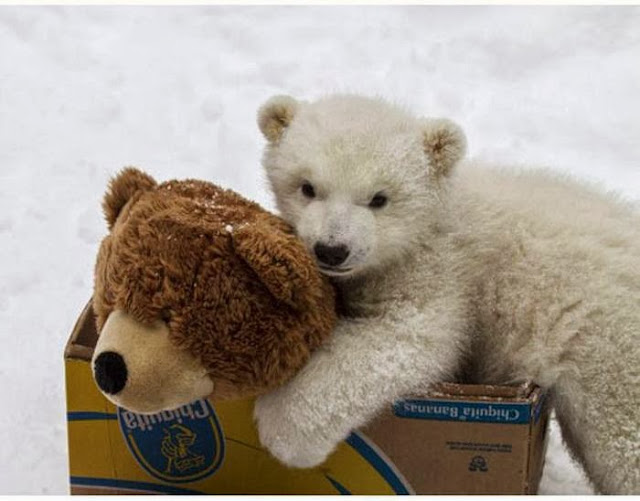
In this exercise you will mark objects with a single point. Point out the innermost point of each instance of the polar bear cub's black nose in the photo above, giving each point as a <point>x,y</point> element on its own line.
<point>332,255</point>
<point>110,372</point>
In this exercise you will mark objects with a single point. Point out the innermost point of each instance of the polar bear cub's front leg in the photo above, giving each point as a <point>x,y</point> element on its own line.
<point>367,365</point>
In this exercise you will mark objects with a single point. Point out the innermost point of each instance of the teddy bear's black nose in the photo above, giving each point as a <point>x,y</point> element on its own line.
<point>110,372</point>
<point>332,255</point>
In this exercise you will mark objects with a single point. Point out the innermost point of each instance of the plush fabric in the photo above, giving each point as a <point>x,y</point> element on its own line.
<point>226,281</point>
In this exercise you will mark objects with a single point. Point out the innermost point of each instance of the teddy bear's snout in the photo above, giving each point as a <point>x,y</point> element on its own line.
<point>138,367</point>
<point>110,372</point>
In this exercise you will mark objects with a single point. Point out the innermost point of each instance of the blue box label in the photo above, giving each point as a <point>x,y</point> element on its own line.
<point>447,410</point>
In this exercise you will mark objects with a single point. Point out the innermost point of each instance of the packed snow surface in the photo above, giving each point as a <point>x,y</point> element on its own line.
<point>174,90</point>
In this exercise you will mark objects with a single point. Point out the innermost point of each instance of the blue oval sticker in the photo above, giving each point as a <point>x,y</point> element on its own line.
<point>180,445</point>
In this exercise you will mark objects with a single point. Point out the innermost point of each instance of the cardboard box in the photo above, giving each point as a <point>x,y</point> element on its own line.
<point>458,439</point>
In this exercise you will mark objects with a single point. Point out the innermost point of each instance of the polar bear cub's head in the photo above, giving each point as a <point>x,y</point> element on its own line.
<point>360,179</point>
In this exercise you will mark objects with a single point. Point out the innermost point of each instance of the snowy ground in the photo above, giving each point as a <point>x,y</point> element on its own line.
<point>84,91</point>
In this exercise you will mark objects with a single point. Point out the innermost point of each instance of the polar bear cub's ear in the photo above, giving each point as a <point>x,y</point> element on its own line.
<point>275,115</point>
<point>122,188</point>
<point>444,143</point>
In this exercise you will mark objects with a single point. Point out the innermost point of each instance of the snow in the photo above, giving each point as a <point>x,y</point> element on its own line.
<point>174,90</point>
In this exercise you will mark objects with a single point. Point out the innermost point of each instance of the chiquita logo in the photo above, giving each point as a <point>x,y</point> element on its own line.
<point>181,445</point>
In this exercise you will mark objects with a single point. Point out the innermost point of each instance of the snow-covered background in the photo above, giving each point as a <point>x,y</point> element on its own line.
<point>87,90</point>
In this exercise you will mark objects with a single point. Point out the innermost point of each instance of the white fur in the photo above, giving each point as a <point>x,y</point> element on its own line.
<point>495,274</point>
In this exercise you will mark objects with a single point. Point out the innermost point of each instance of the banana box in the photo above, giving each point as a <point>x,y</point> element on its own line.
<point>459,439</point>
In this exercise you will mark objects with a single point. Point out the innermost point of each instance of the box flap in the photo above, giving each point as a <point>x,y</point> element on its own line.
<point>517,393</point>
<point>83,337</point>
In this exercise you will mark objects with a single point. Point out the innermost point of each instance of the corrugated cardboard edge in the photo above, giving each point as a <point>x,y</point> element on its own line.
<point>471,392</point>
<point>73,349</point>
<point>101,491</point>
<point>538,440</point>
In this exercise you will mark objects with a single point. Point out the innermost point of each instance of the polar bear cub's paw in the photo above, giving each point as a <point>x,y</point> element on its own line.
<point>286,433</point>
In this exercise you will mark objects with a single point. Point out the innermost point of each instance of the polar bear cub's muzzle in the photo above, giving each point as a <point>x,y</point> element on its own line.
<point>137,367</point>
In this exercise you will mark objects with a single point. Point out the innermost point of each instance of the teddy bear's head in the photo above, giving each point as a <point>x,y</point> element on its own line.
<point>200,292</point>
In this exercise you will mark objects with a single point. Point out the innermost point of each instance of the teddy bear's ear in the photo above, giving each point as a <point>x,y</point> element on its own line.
<point>280,260</point>
<point>444,143</point>
<point>122,188</point>
<point>275,116</point>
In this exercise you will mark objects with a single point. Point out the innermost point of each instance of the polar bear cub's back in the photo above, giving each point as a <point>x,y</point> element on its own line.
<point>549,200</point>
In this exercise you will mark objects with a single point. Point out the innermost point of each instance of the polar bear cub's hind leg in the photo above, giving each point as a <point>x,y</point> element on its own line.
<point>598,402</point>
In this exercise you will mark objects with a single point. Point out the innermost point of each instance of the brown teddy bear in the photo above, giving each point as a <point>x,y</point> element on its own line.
<point>200,292</point>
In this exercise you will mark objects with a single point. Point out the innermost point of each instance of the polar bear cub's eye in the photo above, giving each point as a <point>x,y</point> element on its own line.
<point>308,190</point>
<point>379,200</point>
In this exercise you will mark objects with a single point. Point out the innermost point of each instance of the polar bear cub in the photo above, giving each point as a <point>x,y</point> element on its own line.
<point>497,274</point>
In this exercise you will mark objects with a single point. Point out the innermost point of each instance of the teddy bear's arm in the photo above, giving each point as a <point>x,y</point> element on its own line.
<point>368,364</point>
